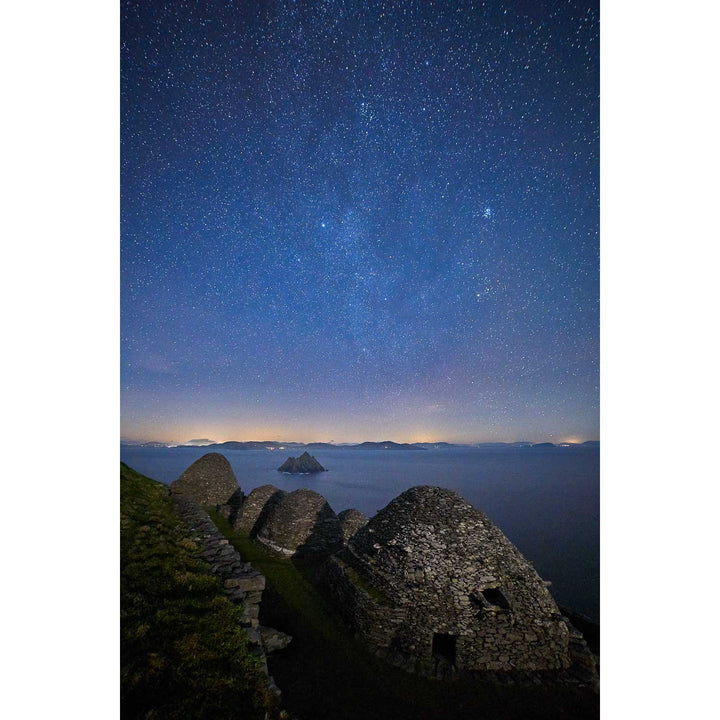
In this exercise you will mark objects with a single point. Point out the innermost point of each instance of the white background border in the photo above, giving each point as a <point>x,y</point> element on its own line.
<point>60,362</point>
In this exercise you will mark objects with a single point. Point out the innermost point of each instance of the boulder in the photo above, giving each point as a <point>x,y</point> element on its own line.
<point>273,639</point>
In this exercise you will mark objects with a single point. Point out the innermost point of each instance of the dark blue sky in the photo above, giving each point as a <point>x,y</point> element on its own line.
<point>360,221</point>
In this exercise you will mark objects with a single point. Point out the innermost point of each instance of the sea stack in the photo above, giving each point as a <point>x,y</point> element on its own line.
<point>306,463</point>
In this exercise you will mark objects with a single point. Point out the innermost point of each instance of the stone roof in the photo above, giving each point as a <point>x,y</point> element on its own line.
<point>208,481</point>
<point>301,522</point>
<point>351,521</point>
<point>256,506</point>
<point>229,508</point>
<point>461,593</point>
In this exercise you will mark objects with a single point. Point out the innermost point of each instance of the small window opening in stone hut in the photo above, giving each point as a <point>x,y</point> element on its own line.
<point>443,646</point>
<point>478,605</point>
<point>496,598</point>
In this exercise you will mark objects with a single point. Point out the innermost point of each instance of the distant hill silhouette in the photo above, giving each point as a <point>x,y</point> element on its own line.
<point>386,445</point>
<point>256,445</point>
<point>383,445</point>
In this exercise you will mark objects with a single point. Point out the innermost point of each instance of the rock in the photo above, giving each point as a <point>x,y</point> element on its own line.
<point>242,584</point>
<point>273,639</point>
<point>208,481</point>
<point>306,463</point>
<point>251,612</point>
<point>251,582</point>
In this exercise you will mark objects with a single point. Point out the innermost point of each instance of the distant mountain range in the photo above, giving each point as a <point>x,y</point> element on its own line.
<point>137,443</point>
<point>384,445</point>
<point>387,445</point>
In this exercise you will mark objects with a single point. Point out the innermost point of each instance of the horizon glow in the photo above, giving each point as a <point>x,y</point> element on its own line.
<point>360,221</point>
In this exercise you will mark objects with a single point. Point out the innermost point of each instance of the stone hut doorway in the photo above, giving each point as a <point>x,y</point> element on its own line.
<point>444,647</point>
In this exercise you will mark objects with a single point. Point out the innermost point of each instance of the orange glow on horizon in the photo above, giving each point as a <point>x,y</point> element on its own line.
<point>361,430</point>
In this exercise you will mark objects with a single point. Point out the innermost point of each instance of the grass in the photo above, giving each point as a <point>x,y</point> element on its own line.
<point>327,673</point>
<point>363,584</point>
<point>183,652</point>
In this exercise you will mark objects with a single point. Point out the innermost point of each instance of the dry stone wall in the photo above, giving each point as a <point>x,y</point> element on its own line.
<point>242,583</point>
<point>373,619</point>
<point>301,522</point>
<point>208,481</point>
<point>471,600</point>
<point>255,508</point>
<point>350,522</point>
<point>230,508</point>
<point>430,583</point>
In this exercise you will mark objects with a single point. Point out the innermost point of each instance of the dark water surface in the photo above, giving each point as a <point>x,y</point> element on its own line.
<point>546,500</point>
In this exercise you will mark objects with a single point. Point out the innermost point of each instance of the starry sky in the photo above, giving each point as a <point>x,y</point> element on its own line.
<point>351,220</point>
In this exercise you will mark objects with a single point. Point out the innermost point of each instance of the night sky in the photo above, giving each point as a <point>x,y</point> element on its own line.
<point>358,220</point>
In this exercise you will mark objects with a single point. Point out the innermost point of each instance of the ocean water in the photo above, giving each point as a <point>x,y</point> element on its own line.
<point>546,500</point>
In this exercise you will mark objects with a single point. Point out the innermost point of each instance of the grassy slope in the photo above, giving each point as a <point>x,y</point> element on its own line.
<point>326,673</point>
<point>183,652</point>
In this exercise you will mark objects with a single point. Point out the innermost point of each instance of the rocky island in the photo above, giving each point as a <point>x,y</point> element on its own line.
<point>306,463</point>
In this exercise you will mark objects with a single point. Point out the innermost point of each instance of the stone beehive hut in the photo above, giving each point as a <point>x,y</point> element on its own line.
<point>435,587</point>
<point>255,508</point>
<point>301,522</point>
<point>229,508</point>
<point>350,522</point>
<point>208,481</point>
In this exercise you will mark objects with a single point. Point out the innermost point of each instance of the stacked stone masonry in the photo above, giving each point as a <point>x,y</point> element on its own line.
<point>230,508</point>
<point>241,582</point>
<point>256,507</point>
<point>449,591</point>
<point>301,522</point>
<point>350,522</point>
<point>208,481</point>
<point>429,583</point>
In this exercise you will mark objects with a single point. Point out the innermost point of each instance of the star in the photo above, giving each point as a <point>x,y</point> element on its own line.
<point>460,205</point>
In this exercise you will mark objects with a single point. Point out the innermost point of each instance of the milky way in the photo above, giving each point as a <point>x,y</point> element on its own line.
<point>356,220</point>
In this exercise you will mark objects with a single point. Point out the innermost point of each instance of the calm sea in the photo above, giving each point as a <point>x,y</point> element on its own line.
<point>546,500</point>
